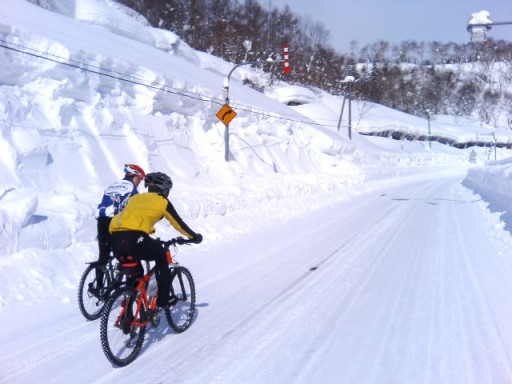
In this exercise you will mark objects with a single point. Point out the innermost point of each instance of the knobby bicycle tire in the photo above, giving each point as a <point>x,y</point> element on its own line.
<point>180,315</point>
<point>120,341</point>
<point>90,305</point>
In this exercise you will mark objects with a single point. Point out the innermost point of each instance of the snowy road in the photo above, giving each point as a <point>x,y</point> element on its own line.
<point>407,284</point>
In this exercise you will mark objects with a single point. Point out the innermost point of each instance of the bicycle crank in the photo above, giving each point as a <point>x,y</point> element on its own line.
<point>155,318</point>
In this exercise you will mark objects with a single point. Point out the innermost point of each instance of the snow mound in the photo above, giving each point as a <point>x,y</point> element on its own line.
<point>293,95</point>
<point>103,14</point>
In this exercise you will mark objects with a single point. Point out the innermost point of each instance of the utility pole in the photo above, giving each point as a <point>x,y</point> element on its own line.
<point>349,80</point>
<point>341,113</point>
<point>350,109</point>
<point>429,133</point>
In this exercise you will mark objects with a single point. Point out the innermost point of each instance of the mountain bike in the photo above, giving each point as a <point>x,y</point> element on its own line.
<point>91,298</point>
<point>131,309</point>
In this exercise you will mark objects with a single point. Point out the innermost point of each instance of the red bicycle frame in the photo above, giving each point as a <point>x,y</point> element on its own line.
<point>142,299</point>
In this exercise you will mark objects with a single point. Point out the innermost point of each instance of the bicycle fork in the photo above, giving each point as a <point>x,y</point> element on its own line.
<point>175,274</point>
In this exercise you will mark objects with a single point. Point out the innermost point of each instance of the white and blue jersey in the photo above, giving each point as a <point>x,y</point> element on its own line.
<point>115,198</point>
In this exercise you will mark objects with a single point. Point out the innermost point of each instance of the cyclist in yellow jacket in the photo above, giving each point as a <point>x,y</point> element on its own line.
<point>131,228</point>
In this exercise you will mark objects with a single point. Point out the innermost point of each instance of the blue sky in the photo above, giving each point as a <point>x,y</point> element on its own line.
<point>368,21</point>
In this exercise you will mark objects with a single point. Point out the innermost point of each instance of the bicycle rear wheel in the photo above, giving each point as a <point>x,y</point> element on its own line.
<point>120,340</point>
<point>90,304</point>
<point>180,315</point>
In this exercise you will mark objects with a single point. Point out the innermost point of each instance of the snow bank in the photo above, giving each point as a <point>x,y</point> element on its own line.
<point>293,95</point>
<point>493,183</point>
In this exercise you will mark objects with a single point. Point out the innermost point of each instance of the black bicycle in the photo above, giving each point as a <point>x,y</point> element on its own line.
<point>130,309</point>
<point>91,296</point>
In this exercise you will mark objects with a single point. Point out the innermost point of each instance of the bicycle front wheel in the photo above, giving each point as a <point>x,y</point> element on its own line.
<point>121,334</point>
<point>180,315</point>
<point>90,300</point>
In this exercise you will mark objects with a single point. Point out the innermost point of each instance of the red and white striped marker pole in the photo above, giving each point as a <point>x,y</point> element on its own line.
<point>286,68</point>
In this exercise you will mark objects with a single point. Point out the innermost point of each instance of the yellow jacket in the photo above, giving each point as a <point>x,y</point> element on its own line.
<point>143,211</point>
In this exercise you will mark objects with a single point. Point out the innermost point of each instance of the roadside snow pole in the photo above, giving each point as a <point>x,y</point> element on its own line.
<point>286,67</point>
<point>226,113</point>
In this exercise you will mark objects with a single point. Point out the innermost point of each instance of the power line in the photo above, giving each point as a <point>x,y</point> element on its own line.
<point>138,81</point>
<point>99,71</point>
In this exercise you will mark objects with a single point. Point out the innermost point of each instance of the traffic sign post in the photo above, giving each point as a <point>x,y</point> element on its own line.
<point>226,113</point>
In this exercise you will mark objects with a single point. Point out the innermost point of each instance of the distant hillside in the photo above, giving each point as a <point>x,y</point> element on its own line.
<point>467,80</point>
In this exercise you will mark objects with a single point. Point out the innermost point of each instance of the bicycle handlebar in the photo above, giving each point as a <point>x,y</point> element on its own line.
<point>178,240</point>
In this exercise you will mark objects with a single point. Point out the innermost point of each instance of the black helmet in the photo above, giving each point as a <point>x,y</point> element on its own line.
<point>158,182</point>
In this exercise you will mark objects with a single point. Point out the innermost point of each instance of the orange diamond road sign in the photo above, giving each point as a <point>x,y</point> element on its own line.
<point>226,114</point>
